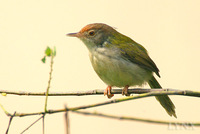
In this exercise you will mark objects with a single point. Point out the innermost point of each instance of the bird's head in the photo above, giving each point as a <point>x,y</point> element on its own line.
<point>94,35</point>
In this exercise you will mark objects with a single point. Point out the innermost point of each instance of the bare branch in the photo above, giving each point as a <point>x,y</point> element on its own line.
<point>100,92</point>
<point>67,125</point>
<point>11,117</point>
<point>185,93</point>
<point>32,124</point>
<point>43,124</point>
<point>135,118</point>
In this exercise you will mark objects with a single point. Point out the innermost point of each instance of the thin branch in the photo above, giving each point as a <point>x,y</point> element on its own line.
<point>32,124</point>
<point>136,118</point>
<point>67,125</point>
<point>6,112</point>
<point>112,101</point>
<point>49,82</point>
<point>11,117</point>
<point>48,88</point>
<point>99,92</point>
<point>43,124</point>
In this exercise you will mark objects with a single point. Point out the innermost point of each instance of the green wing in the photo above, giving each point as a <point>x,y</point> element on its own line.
<point>132,51</point>
<point>136,53</point>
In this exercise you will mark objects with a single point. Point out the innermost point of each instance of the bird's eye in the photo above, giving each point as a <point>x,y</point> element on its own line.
<point>91,33</point>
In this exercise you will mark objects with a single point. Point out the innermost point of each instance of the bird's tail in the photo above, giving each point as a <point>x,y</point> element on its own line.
<point>164,100</point>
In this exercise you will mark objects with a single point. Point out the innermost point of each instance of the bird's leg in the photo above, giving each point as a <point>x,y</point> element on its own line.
<point>108,92</point>
<point>125,90</point>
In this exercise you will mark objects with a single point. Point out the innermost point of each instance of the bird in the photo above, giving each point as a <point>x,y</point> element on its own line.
<point>120,61</point>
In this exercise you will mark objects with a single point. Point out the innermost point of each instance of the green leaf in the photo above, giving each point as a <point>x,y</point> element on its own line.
<point>44,59</point>
<point>48,51</point>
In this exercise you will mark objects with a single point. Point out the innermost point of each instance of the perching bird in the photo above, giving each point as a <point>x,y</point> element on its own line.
<point>120,61</point>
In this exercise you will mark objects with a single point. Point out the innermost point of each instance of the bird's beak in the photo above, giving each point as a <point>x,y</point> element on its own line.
<point>73,34</point>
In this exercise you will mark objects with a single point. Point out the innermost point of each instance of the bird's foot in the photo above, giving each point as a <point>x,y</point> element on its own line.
<point>125,91</point>
<point>108,92</point>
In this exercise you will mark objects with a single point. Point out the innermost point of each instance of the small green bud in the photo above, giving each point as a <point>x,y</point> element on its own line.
<point>4,94</point>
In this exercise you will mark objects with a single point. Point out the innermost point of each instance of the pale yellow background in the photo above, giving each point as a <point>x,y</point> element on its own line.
<point>168,29</point>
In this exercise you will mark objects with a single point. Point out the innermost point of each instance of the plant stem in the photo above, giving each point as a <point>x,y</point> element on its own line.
<point>49,83</point>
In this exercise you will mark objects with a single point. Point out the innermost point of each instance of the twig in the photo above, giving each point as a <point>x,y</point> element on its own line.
<point>32,124</point>
<point>43,124</point>
<point>6,112</point>
<point>67,121</point>
<point>99,92</point>
<point>11,117</point>
<point>136,118</point>
<point>110,102</point>
<point>52,54</point>
<point>49,82</point>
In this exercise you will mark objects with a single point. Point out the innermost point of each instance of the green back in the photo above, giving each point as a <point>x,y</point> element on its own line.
<point>132,51</point>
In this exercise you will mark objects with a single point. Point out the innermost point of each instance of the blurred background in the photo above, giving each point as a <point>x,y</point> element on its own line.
<point>169,30</point>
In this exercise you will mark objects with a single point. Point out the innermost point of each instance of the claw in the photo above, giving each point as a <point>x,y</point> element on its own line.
<point>108,92</point>
<point>125,91</point>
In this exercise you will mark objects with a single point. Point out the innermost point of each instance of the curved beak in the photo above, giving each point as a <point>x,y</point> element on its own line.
<point>73,34</point>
